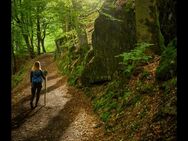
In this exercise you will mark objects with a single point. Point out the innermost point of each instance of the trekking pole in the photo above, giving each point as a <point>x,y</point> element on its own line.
<point>45,92</point>
<point>45,73</point>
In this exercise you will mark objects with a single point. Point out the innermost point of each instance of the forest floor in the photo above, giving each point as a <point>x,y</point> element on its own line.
<point>67,115</point>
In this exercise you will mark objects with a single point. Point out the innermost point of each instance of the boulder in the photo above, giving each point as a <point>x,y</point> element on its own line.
<point>114,33</point>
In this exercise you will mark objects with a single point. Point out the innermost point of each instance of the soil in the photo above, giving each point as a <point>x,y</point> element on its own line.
<point>67,115</point>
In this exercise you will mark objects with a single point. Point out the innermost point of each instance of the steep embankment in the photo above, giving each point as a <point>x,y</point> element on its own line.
<point>142,104</point>
<point>138,108</point>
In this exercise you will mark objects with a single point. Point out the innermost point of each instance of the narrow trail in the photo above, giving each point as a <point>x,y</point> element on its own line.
<point>67,116</point>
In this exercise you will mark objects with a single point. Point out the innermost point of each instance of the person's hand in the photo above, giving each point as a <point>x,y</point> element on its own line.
<point>45,72</point>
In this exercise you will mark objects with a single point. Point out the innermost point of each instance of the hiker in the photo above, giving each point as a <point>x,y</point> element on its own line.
<point>36,77</point>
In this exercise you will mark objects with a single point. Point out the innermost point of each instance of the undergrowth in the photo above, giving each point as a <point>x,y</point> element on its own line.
<point>120,105</point>
<point>22,68</point>
<point>71,63</point>
<point>22,75</point>
<point>134,58</point>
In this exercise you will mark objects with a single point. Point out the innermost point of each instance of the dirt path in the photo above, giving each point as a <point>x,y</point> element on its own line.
<point>67,115</point>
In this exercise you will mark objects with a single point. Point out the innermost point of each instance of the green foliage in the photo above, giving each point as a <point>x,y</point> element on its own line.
<point>63,65</point>
<point>134,58</point>
<point>105,116</point>
<point>168,64</point>
<point>71,64</point>
<point>75,74</point>
<point>112,100</point>
<point>105,102</point>
<point>169,85</point>
<point>17,78</point>
<point>129,5</point>
<point>126,96</point>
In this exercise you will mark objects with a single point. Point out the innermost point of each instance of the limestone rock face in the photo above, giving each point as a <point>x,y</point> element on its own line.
<point>155,22</point>
<point>114,33</point>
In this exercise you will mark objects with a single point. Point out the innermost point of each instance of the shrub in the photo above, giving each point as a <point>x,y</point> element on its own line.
<point>135,57</point>
<point>168,64</point>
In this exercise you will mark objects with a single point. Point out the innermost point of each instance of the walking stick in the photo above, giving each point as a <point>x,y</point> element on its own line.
<point>45,92</point>
<point>45,73</point>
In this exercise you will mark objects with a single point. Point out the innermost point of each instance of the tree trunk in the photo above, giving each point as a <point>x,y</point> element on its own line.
<point>42,38</point>
<point>38,34</point>
<point>28,43</point>
<point>80,29</point>
<point>43,48</point>
<point>26,38</point>
<point>57,45</point>
<point>32,45</point>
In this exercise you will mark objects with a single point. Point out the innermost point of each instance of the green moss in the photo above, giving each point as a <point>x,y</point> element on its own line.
<point>110,17</point>
<point>142,13</point>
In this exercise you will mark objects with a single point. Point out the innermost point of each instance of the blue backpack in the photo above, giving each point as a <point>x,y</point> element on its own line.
<point>37,76</point>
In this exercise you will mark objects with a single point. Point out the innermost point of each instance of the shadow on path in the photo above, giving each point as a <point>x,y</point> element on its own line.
<point>53,87</point>
<point>22,107</point>
<point>58,124</point>
<point>23,116</point>
<point>53,77</point>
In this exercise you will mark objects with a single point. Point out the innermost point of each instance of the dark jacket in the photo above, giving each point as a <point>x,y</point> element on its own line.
<point>36,76</point>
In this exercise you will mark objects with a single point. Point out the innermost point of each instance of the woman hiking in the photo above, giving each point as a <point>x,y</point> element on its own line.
<point>36,77</point>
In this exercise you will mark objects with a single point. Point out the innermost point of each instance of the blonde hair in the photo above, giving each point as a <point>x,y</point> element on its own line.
<point>36,66</point>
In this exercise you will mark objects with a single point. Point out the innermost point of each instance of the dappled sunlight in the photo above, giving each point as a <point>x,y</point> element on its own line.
<point>83,126</point>
<point>110,68</point>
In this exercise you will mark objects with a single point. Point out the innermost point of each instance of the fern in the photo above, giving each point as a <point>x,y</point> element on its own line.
<point>134,57</point>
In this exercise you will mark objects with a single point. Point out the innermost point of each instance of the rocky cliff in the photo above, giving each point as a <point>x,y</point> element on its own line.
<point>114,33</point>
<point>120,25</point>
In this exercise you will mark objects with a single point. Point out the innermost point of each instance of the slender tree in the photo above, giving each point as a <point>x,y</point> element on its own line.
<point>21,14</point>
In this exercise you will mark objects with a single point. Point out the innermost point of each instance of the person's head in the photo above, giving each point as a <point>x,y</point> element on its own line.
<point>36,66</point>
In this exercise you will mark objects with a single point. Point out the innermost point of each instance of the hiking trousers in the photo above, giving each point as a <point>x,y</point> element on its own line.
<point>35,90</point>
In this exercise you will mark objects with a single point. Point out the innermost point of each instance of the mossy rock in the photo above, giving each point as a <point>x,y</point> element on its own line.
<point>114,33</point>
<point>168,64</point>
